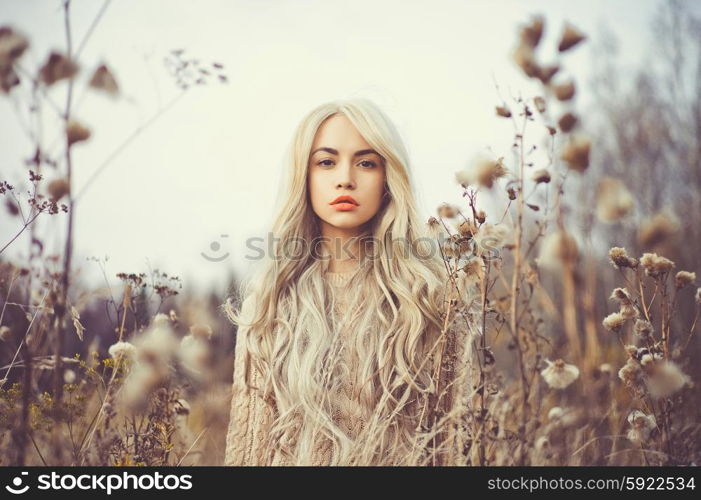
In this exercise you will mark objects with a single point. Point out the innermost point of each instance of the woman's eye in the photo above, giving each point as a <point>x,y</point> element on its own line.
<point>364,163</point>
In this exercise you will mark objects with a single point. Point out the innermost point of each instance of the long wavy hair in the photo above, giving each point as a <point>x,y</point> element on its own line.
<point>396,313</point>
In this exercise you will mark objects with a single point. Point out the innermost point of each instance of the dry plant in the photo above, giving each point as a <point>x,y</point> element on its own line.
<point>563,372</point>
<point>561,383</point>
<point>83,409</point>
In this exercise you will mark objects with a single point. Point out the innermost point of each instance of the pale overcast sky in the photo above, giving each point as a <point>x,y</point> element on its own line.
<point>210,165</point>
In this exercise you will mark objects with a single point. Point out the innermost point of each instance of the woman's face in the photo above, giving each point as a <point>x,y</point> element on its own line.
<point>343,163</point>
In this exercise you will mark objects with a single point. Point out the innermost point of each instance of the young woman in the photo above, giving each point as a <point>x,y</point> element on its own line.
<point>346,352</point>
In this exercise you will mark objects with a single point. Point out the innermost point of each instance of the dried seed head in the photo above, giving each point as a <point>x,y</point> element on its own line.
<point>532,32</point>
<point>614,321</point>
<point>490,237</point>
<point>182,407</point>
<point>194,353</point>
<point>643,329</point>
<point>156,349</point>
<point>158,343</point>
<point>571,36</point>
<point>451,247</point>
<point>628,311</point>
<point>434,227</point>
<point>69,376</point>
<point>666,379</point>
<point>467,228</point>
<point>542,443</point>
<point>524,58</point>
<point>481,216</point>
<point>531,275</point>
<point>619,258</point>
<point>539,103</point>
<point>161,319</point>
<point>541,176</point>
<point>104,80</point>
<point>57,67</point>
<point>567,122</point>
<point>559,374</point>
<point>606,369</point>
<point>641,426</point>
<point>8,79</point>
<point>75,132</point>
<point>447,211</point>
<point>557,248</point>
<point>613,200</point>
<point>632,351</point>
<point>473,267</point>
<point>124,349</point>
<point>482,172</point>
<point>555,413</point>
<point>58,189</point>
<point>621,295</point>
<point>545,73</point>
<point>657,229</point>
<point>564,91</point>
<point>201,331</point>
<point>652,354</point>
<point>655,265</point>
<point>576,153</point>
<point>631,374</point>
<point>647,359</point>
<point>12,46</point>
<point>511,192</point>
<point>684,278</point>
<point>465,245</point>
<point>503,111</point>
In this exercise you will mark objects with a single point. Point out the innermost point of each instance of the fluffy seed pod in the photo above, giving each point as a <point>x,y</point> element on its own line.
<point>571,36</point>
<point>576,153</point>
<point>565,91</point>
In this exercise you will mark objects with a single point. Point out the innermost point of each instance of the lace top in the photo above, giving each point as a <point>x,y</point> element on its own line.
<point>251,415</point>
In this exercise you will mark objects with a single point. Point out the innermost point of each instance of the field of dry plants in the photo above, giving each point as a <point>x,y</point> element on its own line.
<point>585,264</point>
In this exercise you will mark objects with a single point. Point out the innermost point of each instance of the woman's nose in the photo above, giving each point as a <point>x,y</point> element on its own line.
<point>345,179</point>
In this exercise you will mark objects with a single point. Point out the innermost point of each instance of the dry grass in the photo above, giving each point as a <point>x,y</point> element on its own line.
<point>587,352</point>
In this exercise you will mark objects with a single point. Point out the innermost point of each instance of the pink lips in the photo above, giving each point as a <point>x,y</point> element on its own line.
<point>344,203</point>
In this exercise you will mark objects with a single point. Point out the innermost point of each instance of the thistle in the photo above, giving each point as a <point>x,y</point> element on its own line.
<point>559,374</point>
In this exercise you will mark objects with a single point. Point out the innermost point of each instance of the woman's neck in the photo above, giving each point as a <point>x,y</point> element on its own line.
<point>342,248</point>
<point>343,266</point>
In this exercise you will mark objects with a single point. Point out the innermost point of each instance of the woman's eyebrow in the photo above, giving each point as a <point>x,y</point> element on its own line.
<point>357,153</point>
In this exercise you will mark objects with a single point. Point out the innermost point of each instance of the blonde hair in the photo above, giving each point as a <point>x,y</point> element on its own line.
<point>396,315</point>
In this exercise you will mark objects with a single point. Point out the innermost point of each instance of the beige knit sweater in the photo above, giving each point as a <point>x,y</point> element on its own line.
<point>251,415</point>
